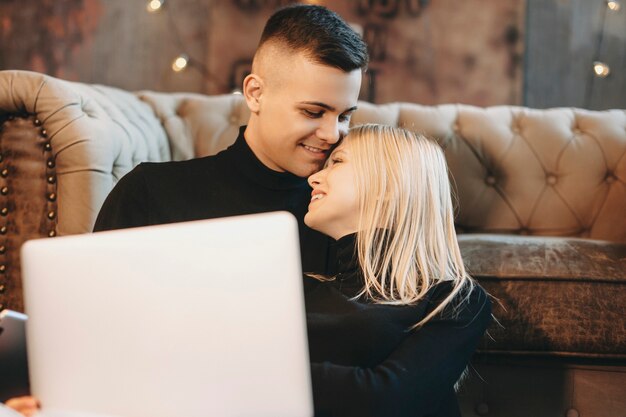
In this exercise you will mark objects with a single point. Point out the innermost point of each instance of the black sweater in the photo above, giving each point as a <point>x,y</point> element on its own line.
<point>365,360</point>
<point>233,182</point>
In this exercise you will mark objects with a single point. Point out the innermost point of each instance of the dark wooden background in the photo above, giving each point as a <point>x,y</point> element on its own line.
<point>563,39</point>
<point>537,53</point>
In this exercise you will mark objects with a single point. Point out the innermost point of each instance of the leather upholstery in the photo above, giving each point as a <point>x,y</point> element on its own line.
<point>28,197</point>
<point>97,134</point>
<point>562,297</point>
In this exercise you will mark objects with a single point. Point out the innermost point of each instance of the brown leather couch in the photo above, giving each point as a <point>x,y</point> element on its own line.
<point>541,216</point>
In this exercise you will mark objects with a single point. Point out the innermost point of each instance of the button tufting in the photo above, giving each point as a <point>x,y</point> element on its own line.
<point>51,179</point>
<point>610,178</point>
<point>50,163</point>
<point>52,233</point>
<point>482,409</point>
<point>3,249</point>
<point>51,196</point>
<point>37,122</point>
<point>4,190</point>
<point>51,215</point>
<point>551,179</point>
<point>47,146</point>
<point>490,180</point>
<point>3,230</point>
<point>4,211</point>
<point>44,132</point>
<point>572,412</point>
<point>3,269</point>
<point>2,288</point>
<point>4,172</point>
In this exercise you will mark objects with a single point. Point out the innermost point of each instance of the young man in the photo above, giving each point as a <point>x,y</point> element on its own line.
<point>304,86</point>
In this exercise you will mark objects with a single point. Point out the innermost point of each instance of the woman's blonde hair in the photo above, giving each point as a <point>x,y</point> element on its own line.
<point>406,241</point>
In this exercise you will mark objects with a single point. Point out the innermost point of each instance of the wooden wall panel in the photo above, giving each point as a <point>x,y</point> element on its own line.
<point>563,40</point>
<point>112,42</point>
<point>424,51</point>
<point>485,52</point>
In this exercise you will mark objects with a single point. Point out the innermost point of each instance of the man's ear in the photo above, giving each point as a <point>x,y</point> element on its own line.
<point>252,91</point>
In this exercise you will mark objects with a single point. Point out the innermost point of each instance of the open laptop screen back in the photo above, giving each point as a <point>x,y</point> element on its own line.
<point>190,319</point>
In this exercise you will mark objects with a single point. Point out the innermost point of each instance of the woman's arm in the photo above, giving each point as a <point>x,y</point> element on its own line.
<point>413,380</point>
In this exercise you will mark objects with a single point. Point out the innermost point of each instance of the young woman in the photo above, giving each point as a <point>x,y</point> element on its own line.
<point>391,333</point>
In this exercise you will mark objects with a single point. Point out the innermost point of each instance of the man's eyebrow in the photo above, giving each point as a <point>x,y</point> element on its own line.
<point>326,106</point>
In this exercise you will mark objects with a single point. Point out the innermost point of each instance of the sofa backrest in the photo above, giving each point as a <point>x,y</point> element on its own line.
<point>64,145</point>
<point>556,172</point>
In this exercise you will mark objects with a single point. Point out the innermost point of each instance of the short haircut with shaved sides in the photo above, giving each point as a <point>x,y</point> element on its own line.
<point>319,33</point>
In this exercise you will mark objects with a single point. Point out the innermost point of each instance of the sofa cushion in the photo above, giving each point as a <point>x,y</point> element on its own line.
<point>554,296</point>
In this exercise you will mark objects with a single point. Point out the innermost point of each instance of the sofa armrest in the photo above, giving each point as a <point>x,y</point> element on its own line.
<point>63,146</point>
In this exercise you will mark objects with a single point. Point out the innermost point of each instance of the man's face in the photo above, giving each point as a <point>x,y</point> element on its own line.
<point>304,109</point>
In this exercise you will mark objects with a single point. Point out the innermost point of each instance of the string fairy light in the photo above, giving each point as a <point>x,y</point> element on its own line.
<point>180,63</point>
<point>601,69</point>
<point>154,5</point>
<point>183,60</point>
<point>613,5</point>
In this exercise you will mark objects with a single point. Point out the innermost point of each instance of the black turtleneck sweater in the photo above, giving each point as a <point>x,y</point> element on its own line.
<point>233,182</point>
<point>366,360</point>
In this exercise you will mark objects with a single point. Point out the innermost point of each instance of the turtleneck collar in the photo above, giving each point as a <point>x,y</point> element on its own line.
<point>347,260</point>
<point>246,161</point>
<point>349,277</point>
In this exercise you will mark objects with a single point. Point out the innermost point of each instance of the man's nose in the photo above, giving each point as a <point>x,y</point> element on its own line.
<point>331,130</point>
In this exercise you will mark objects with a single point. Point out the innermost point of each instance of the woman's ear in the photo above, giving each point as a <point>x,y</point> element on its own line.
<point>252,91</point>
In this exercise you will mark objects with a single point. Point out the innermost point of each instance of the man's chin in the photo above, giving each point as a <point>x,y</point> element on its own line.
<point>305,172</point>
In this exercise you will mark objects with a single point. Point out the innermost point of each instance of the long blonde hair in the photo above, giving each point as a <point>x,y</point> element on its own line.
<point>406,242</point>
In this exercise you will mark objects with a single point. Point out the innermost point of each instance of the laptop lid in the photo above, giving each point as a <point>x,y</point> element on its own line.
<point>194,319</point>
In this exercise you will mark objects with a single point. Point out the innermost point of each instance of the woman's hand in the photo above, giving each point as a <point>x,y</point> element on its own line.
<point>27,406</point>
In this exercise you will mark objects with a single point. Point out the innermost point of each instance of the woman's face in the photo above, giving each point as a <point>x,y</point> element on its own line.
<point>333,209</point>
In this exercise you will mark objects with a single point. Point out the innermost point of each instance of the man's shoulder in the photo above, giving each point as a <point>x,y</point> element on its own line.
<point>176,170</point>
<point>188,165</point>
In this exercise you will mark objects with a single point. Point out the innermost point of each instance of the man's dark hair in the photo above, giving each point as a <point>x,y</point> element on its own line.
<point>318,32</point>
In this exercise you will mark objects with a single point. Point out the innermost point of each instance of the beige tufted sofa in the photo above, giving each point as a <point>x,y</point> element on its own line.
<point>541,215</point>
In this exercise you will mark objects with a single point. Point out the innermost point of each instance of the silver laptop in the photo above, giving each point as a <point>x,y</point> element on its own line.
<point>191,319</point>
